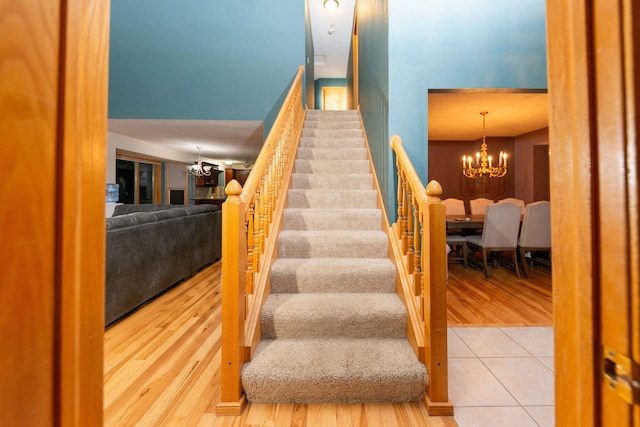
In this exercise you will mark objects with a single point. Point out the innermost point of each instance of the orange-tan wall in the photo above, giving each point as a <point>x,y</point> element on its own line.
<point>445,166</point>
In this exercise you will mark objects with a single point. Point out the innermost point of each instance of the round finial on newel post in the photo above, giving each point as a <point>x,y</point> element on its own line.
<point>434,190</point>
<point>233,190</point>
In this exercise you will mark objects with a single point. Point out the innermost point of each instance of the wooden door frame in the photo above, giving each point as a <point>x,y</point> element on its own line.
<point>55,112</point>
<point>81,149</point>
<point>593,86</point>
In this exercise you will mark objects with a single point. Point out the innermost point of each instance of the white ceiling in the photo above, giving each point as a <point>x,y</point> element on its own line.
<point>455,116</point>
<point>237,140</point>
<point>331,50</point>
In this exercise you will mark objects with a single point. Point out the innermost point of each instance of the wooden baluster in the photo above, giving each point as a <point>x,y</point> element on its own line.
<point>256,233</point>
<point>249,232</point>
<point>260,216</point>
<point>270,183</point>
<point>409,251</point>
<point>266,194</point>
<point>399,220</point>
<point>417,242</point>
<point>403,219</point>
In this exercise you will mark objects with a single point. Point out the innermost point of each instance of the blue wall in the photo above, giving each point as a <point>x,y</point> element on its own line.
<point>373,82</point>
<point>309,99</point>
<point>446,45</point>
<point>202,59</point>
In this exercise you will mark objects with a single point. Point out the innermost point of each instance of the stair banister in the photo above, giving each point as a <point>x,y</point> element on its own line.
<point>420,250</point>
<point>251,217</point>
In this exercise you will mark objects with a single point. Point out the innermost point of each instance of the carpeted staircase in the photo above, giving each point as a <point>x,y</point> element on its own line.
<point>333,328</point>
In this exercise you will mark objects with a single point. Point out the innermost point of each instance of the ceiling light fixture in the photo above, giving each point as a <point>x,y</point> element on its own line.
<point>483,162</point>
<point>331,5</point>
<point>198,168</point>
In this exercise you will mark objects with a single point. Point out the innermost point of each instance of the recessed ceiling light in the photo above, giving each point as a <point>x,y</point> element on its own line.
<point>331,5</point>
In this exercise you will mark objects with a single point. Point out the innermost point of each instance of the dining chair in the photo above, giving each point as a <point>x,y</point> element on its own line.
<point>457,243</point>
<point>499,233</point>
<point>453,206</point>
<point>479,206</point>
<point>535,234</point>
<point>515,201</point>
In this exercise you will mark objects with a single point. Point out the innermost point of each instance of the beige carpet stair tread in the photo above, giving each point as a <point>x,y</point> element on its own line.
<point>331,166</point>
<point>331,154</point>
<point>332,244</point>
<point>332,199</point>
<point>334,370</point>
<point>330,181</point>
<point>332,133</point>
<point>334,115</point>
<point>328,315</point>
<point>335,143</point>
<point>333,124</point>
<point>332,219</point>
<point>315,275</point>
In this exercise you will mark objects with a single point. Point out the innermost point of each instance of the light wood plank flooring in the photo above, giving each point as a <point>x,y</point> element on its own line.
<point>502,300</point>
<point>162,368</point>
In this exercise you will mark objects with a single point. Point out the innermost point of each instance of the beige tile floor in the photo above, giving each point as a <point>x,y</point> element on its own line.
<point>502,377</point>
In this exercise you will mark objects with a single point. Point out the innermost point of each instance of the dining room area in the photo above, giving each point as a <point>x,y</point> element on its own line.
<point>489,149</point>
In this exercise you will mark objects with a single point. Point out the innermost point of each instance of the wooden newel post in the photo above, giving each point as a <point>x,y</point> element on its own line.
<point>435,309</point>
<point>234,260</point>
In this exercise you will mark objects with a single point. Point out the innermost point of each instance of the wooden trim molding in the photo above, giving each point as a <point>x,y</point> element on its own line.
<point>572,197</point>
<point>80,190</point>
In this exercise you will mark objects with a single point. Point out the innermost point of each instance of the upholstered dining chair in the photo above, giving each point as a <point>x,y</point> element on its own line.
<point>457,243</point>
<point>453,206</point>
<point>500,233</point>
<point>535,234</point>
<point>479,206</point>
<point>515,201</point>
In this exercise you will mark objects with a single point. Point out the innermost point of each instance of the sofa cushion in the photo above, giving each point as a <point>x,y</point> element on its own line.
<point>130,220</point>
<point>196,209</point>
<point>126,209</point>
<point>168,214</point>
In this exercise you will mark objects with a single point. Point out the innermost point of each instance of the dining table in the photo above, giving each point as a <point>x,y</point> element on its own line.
<point>469,222</point>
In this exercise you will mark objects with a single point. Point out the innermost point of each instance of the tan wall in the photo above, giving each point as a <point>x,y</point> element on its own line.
<point>524,169</point>
<point>445,166</point>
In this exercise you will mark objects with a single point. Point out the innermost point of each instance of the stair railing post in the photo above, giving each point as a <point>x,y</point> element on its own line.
<point>234,264</point>
<point>436,305</point>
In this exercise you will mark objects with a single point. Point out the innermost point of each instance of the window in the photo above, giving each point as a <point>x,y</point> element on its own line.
<point>139,180</point>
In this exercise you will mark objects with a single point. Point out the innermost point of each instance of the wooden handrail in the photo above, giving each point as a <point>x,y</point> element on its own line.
<point>419,248</point>
<point>251,219</point>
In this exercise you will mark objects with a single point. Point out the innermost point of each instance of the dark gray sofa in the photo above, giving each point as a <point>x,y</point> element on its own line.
<point>152,247</point>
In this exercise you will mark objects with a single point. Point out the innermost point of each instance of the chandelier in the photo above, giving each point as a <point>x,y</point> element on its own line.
<point>198,168</point>
<point>483,164</point>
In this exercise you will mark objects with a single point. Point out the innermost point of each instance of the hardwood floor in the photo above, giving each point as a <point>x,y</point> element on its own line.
<point>162,368</point>
<point>502,300</point>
